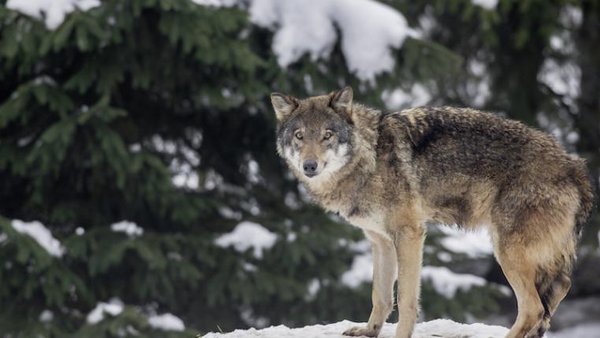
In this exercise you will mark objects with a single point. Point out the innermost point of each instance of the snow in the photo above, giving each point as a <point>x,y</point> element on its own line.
<point>446,282</point>
<point>479,86</point>
<point>188,179</point>
<point>557,43</point>
<point>291,237</point>
<point>398,98</point>
<point>248,235</point>
<point>44,80</point>
<point>291,201</point>
<point>589,330</point>
<point>46,316</point>
<point>443,280</point>
<point>130,228</point>
<point>229,213</point>
<point>577,312</point>
<point>471,243</point>
<point>571,16</point>
<point>572,137</point>
<point>249,267</point>
<point>360,272</point>
<point>313,288</point>
<point>53,12</point>
<point>135,148</point>
<point>442,328</point>
<point>369,31</point>
<point>166,322</point>
<point>563,79</point>
<point>183,159</point>
<point>487,4</point>
<point>252,171</point>
<point>114,307</point>
<point>251,319</point>
<point>216,3</point>
<point>362,265</point>
<point>41,235</point>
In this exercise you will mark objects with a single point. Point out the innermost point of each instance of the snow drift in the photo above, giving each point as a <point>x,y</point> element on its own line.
<point>442,328</point>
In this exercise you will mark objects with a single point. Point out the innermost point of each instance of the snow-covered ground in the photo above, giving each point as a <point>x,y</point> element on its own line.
<point>589,330</point>
<point>442,328</point>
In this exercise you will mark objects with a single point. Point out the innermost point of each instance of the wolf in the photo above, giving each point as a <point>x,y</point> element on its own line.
<point>390,173</point>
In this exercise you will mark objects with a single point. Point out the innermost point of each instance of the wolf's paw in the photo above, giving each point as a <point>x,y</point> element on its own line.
<point>362,331</point>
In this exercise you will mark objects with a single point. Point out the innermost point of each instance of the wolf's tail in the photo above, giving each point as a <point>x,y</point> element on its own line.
<point>586,194</point>
<point>553,281</point>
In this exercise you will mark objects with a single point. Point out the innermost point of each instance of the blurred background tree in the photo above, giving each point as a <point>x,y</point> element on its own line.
<point>141,136</point>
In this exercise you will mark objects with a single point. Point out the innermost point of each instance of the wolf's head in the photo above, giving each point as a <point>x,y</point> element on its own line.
<point>315,135</point>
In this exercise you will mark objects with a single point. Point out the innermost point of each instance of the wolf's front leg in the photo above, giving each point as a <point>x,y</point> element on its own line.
<point>384,275</point>
<point>409,251</point>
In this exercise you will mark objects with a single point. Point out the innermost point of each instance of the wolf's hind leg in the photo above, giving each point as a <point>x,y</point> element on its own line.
<point>551,296</point>
<point>384,275</point>
<point>521,275</point>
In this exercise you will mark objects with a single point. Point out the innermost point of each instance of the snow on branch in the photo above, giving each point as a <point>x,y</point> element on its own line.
<point>129,228</point>
<point>166,322</point>
<point>53,12</point>
<point>474,244</point>
<point>487,4</point>
<point>446,282</point>
<point>41,235</point>
<point>248,235</point>
<point>369,31</point>
<point>114,307</point>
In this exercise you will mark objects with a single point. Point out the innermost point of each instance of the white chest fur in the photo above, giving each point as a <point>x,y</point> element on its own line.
<point>374,221</point>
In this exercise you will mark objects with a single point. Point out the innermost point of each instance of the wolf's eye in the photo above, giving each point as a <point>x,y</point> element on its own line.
<point>298,135</point>
<point>328,135</point>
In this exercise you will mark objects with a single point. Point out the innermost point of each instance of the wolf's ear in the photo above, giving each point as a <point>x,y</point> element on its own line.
<point>342,99</point>
<point>283,105</point>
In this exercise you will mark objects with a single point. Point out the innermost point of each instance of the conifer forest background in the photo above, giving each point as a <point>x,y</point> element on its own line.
<point>140,190</point>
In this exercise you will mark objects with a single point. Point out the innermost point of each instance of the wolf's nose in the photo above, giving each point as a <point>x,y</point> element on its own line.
<point>310,168</point>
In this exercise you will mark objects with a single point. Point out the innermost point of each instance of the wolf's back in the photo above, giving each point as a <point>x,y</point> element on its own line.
<point>483,144</point>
